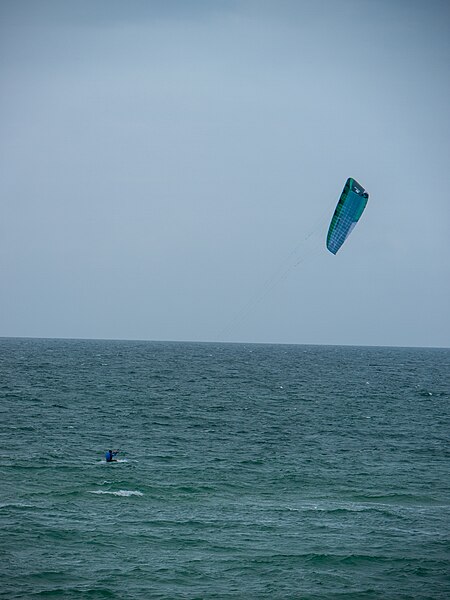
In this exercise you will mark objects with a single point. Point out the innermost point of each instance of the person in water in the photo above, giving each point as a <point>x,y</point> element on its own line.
<point>110,454</point>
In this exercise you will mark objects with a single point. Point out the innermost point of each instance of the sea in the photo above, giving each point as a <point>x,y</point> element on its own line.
<point>244,471</point>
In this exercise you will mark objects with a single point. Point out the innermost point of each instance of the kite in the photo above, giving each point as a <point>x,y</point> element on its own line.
<point>348,211</point>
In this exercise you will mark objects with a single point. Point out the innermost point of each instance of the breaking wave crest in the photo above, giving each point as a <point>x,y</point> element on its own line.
<point>118,492</point>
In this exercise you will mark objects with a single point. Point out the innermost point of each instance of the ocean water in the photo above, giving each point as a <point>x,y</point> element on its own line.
<point>245,471</point>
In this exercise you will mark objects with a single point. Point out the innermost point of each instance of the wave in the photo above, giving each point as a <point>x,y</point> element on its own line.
<point>18,505</point>
<point>118,492</point>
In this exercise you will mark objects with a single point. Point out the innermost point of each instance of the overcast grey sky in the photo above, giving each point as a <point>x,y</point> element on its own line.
<point>161,160</point>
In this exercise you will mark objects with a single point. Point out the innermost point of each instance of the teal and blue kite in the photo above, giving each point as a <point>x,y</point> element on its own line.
<point>348,211</point>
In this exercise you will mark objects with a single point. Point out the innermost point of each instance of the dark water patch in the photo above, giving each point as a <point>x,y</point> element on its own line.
<point>90,593</point>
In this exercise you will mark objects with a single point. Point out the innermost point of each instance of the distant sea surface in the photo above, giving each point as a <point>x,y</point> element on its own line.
<point>245,471</point>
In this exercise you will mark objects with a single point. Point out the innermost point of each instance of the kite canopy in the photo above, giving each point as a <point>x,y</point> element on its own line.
<point>349,209</point>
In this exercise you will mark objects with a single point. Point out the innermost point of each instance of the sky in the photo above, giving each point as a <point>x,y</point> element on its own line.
<point>169,168</point>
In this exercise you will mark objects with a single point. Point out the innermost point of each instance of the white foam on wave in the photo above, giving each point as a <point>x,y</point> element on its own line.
<point>118,492</point>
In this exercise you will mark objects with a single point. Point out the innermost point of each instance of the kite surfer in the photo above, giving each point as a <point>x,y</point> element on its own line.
<point>110,454</point>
